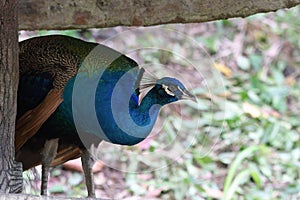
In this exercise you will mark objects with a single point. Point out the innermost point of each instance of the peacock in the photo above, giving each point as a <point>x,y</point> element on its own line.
<point>73,94</point>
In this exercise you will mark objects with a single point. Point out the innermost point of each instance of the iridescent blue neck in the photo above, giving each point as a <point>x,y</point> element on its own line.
<point>144,114</point>
<point>112,112</point>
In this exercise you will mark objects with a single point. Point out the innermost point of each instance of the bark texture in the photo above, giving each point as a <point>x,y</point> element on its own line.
<point>67,14</point>
<point>10,171</point>
<point>38,197</point>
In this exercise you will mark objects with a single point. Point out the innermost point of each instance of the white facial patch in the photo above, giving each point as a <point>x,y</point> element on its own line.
<point>169,92</point>
<point>180,90</point>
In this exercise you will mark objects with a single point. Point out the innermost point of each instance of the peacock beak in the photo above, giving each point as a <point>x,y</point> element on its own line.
<point>189,96</point>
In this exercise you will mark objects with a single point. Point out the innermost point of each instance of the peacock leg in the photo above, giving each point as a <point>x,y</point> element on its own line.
<point>87,165</point>
<point>48,154</point>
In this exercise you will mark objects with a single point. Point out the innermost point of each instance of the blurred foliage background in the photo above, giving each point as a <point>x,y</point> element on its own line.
<point>245,140</point>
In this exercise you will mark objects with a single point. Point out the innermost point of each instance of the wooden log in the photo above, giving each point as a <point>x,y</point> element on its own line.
<point>67,14</point>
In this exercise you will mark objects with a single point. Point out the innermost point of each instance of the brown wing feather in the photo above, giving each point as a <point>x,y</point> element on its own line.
<point>29,124</point>
<point>65,154</point>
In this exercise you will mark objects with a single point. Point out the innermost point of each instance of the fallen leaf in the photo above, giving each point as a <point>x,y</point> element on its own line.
<point>99,179</point>
<point>252,110</point>
<point>145,177</point>
<point>75,165</point>
<point>290,80</point>
<point>223,69</point>
<point>154,193</point>
<point>214,193</point>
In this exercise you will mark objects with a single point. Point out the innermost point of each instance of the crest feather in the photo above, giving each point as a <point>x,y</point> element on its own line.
<point>147,81</point>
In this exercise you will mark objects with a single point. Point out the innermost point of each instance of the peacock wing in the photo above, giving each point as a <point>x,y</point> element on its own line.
<point>46,65</point>
<point>31,121</point>
<point>65,153</point>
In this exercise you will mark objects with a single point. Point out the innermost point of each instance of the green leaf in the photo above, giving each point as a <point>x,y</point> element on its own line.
<point>246,153</point>
<point>75,179</point>
<point>57,188</point>
<point>278,76</point>
<point>256,61</point>
<point>204,161</point>
<point>256,178</point>
<point>236,182</point>
<point>243,63</point>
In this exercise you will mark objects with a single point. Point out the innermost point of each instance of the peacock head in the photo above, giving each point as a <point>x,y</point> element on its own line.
<point>169,90</point>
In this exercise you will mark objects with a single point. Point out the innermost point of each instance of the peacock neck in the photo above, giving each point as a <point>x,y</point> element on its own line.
<point>115,117</point>
<point>145,113</point>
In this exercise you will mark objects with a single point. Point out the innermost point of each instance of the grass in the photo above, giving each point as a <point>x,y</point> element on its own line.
<point>241,141</point>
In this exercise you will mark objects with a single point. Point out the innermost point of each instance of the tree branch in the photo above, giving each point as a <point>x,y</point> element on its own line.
<point>67,14</point>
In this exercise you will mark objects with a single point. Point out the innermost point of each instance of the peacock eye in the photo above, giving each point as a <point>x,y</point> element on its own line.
<point>173,88</point>
<point>168,90</point>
